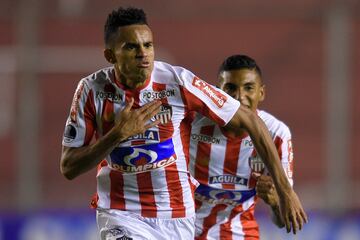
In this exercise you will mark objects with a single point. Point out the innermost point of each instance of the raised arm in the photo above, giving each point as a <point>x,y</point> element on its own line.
<point>75,161</point>
<point>291,210</point>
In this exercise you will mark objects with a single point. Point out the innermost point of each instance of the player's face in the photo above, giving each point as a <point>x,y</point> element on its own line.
<point>134,54</point>
<point>244,85</point>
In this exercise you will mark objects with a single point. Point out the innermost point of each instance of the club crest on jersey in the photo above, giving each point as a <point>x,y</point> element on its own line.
<point>220,196</point>
<point>164,115</point>
<point>216,96</point>
<point>256,164</point>
<point>143,158</point>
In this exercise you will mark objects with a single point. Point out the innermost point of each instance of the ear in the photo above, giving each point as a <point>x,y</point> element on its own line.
<point>109,56</point>
<point>262,93</point>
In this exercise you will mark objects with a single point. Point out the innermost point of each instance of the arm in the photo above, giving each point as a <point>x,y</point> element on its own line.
<point>291,210</point>
<point>75,161</point>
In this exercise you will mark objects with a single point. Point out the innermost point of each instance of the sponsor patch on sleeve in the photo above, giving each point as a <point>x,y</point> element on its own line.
<point>217,97</point>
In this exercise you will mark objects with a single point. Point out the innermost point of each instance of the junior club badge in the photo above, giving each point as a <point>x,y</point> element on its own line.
<point>165,114</point>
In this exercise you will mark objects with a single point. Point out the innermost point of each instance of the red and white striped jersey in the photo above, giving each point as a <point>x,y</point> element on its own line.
<point>148,173</point>
<point>226,196</point>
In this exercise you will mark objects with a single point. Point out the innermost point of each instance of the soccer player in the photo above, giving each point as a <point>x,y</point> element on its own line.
<point>137,111</point>
<point>229,169</point>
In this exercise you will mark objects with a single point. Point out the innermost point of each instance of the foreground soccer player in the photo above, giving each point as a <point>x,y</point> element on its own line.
<point>136,109</point>
<point>227,165</point>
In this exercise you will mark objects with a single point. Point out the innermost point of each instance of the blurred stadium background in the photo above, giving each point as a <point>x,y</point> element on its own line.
<point>309,53</point>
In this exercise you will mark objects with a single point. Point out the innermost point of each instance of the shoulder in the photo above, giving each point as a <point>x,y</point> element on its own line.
<point>166,72</point>
<point>100,77</point>
<point>275,126</point>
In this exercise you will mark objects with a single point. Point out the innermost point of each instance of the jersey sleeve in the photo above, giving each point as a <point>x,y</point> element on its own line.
<point>80,124</point>
<point>287,155</point>
<point>207,99</point>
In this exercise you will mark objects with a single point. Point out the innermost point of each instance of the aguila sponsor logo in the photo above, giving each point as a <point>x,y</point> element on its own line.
<point>217,97</point>
<point>228,179</point>
<point>147,135</point>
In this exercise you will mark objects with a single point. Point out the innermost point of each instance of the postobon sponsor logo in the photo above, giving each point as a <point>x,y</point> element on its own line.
<point>228,179</point>
<point>256,164</point>
<point>158,94</point>
<point>115,97</point>
<point>217,97</point>
<point>205,138</point>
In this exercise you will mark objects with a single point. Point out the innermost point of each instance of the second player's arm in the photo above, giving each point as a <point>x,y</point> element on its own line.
<point>290,207</point>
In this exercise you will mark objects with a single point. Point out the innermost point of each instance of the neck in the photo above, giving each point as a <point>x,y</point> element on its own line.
<point>129,83</point>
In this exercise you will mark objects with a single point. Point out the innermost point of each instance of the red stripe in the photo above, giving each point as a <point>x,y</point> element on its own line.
<point>165,130</point>
<point>137,142</point>
<point>117,200</point>
<point>210,221</point>
<point>278,142</point>
<point>185,131</point>
<point>231,159</point>
<point>194,103</point>
<point>203,156</point>
<point>249,224</point>
<point>146,195</point>
<point>89,116</point>
<point>175,191</point>
<point>225,228</point>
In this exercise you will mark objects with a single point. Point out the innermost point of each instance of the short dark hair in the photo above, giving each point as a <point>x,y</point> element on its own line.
<point>236,62</point>
<point>122,17</point>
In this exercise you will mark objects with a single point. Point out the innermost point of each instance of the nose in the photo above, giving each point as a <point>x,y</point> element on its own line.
<point>239,94</point>
<point>141,52</point>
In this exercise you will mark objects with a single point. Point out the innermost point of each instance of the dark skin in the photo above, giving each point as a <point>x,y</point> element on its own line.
<point>132,54</point>
<point>246,86</point>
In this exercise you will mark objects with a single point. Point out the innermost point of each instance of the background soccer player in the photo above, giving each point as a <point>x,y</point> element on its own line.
<point>230,171</point>
<point>136,110</point>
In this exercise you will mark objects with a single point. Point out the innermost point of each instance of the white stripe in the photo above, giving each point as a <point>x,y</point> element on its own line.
<point>164,196</point>
<point>103,187</point>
